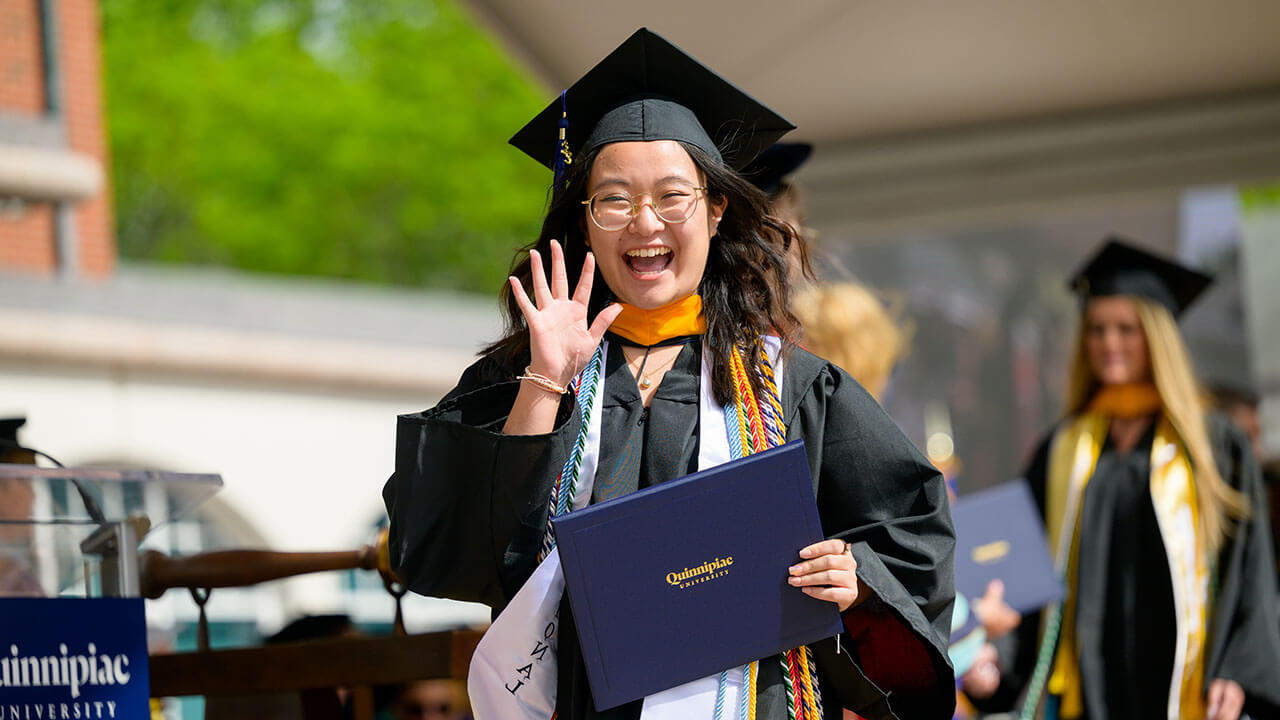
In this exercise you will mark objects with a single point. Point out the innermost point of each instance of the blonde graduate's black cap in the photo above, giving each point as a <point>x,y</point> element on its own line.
<point>649,89</point>
<point>9,431</point>
<point>1120,268</point>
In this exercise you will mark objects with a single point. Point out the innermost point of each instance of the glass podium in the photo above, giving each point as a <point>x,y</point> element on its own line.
<point>74,532</point>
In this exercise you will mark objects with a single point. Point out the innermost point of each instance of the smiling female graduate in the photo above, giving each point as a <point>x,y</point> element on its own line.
<point>1154,511</point>
<point>654,309</point>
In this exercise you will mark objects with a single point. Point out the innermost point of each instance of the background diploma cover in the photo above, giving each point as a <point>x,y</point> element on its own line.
<point>999,535</point>
<point>688,578</point>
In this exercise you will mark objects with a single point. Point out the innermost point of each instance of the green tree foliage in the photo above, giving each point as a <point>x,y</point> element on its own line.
<point>1260,198</point>
<point>350,138</point>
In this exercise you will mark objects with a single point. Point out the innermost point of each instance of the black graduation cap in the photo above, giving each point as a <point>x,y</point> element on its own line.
<point>1120,268</point>
<point>775,163</point>
<point>9,444</point>
<point>9,431</point>
<point>649,89</point>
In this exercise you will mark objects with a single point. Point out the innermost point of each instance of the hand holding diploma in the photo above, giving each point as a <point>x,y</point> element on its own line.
<point>829,572</point>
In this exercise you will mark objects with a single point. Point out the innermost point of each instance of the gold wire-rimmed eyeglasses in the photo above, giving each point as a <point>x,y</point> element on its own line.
<point>615,209</point>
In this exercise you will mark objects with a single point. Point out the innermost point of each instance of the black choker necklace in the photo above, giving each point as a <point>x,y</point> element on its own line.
<point>642,381</point>
<point>677,340</point>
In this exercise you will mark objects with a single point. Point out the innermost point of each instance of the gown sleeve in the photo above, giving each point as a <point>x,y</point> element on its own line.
<point>876,491</point>
<point>1245,631</point>
<point>467,503</point>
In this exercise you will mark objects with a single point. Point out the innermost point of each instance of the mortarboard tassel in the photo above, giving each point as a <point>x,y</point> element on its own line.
<point>564,158</point>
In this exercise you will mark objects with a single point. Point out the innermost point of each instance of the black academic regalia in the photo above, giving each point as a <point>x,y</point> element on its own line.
<point>468,507</point>
<point>1125,619</point>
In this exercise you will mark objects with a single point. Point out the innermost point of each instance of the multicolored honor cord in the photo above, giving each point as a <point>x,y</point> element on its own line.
<point>753,425</point>
<point>566,484</point>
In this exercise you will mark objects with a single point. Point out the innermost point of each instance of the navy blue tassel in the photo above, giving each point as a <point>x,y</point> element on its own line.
<point>563,157</point>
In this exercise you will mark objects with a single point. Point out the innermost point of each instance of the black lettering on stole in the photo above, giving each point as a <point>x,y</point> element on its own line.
<point>539,652</point>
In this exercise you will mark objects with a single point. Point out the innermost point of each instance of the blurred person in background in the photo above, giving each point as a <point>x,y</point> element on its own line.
<point>17,498</point>
<point>769,172</point>
<point>852,327</point>
<point>847,324</point>
<point>331,702</point>
<point>1154,517</point>
<point>1241,405</point>
<point>442,699</point>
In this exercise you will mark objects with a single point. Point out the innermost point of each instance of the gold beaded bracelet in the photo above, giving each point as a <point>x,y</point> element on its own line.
<point>543,382</point>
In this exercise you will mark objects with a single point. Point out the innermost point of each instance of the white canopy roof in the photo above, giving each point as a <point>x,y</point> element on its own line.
<point>937,110</point>
<point>851,69</point>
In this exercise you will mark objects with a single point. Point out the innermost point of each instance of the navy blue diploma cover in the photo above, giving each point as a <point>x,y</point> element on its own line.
<point>688,578</point>
<point>999,535</point>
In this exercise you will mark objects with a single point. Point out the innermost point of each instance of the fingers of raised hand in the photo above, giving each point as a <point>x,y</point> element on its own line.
<point>522,298</point>
<point>541,291</point>
<point>602,322</point>
<point>544,294</point>
<point>559,279</point>
<point>582,294</point>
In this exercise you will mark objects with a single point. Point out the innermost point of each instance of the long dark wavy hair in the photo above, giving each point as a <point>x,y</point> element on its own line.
<point>745,289</point>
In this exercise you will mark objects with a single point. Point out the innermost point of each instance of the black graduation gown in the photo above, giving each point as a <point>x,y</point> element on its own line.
<point>1125,622</point>
<point>468,506</point>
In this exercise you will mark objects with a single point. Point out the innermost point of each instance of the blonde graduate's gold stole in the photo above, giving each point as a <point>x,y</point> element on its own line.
<point>1073,459</point>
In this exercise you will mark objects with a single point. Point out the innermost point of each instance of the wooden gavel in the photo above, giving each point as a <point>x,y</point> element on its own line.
<point>239,568</point>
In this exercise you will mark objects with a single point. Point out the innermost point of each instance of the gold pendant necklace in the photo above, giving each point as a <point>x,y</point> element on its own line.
<point>645,381</point>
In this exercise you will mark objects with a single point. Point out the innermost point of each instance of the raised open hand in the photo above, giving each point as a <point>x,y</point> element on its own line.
<point>560,341</point>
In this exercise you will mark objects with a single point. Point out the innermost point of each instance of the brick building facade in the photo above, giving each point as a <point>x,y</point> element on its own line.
<point>55,213</point>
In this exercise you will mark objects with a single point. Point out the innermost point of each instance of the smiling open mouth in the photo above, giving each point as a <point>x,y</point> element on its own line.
<point>649,261</point>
